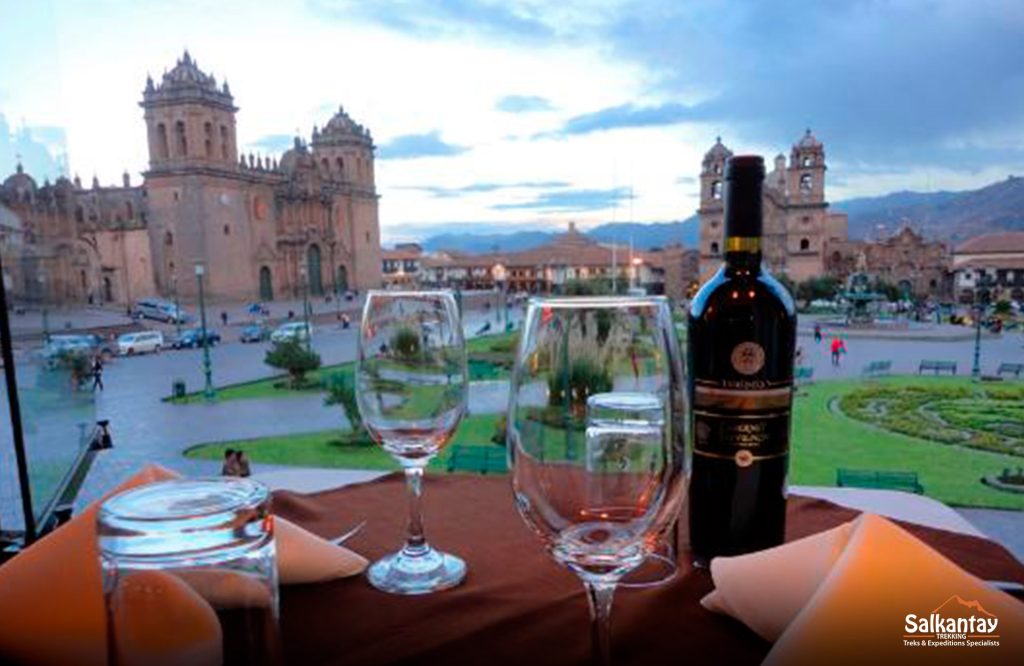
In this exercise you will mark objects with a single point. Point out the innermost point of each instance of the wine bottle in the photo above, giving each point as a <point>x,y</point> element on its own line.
<point>742,335</point>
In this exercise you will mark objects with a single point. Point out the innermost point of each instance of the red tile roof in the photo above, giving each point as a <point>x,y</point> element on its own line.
<point>1010,241</point>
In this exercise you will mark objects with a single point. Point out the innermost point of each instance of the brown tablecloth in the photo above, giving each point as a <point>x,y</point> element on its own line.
<point>517,606</point>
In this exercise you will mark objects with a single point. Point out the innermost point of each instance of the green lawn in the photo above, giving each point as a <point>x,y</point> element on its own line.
<point>327,448</point>
<point>823,440</point>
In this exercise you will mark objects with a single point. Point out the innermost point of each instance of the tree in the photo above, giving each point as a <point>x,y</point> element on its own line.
<point>406,343</point>
<point>822,287</point>
<point>341,390</point>
<point>293,357</point>
<point>788,283</point>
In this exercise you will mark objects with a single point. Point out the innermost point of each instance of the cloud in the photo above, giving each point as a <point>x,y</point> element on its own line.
<point>627,115</point>
<point>473,188</point>
<point>686,180</point>
<point>274,143</point>
<point>523,104</point>
<point>411,146</point>
<point>568,201</point>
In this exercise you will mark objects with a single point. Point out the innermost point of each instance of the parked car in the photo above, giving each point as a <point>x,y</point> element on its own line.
<point>193,337</point>
<point>87,344</point>
<point>255,333</point>
<point>140,343</point>
<point>295,330</point>
<point>160,310</point>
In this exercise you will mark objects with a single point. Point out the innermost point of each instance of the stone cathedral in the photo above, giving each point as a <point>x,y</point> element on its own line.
<point>265,228</point>
<point>798,225</point>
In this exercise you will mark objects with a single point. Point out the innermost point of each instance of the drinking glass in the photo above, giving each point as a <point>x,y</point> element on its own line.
<point>189,573</point>
<point>412,392</point>
<point>596,437</point>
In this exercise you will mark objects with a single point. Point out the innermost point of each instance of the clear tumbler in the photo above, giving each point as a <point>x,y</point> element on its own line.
<point>190,574</point>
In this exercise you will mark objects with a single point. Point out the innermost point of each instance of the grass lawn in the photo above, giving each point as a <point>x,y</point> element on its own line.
<point>327,448</point>
<point>823,440</point>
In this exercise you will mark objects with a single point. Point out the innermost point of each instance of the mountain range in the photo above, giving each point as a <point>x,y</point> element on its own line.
<point>950,216</point>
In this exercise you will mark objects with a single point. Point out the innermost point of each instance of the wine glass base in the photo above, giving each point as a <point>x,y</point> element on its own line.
<point>420,573</point>
<point>656,569</point>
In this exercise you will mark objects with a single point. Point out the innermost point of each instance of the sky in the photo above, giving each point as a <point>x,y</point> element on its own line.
<point>505,115</point>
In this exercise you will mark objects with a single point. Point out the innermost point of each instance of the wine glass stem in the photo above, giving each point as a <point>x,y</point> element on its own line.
<point>600,597</point>
<point>415,542</point>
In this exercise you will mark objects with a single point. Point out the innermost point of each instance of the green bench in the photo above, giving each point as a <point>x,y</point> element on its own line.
<point>803,375</point>
<point>877,368</point>
<point>1014,369</point>
<point>866,478</point>
<point>937,367</point>
<point>479,459</point>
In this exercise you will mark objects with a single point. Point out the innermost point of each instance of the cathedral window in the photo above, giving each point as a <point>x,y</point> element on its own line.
<point>180,140</point>
<point>162,150</point>
<point>807,161</point>
<point>716,189</point>
<point>717,169</point>
<point>714,248</point>
<point>806,220</point>
<point>325,165</point>
<point>208,139</point>
<point>168,239</point>
<point>223,142</point>
<point>341,167</point>
<point>79,214</point>
<point>128,210</point>
<point>806,183</point>
<point>714,224</point>
<point>227,230</point>
<point>805,244</point>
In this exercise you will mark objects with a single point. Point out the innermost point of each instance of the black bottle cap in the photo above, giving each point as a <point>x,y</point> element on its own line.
<point>744,179</point>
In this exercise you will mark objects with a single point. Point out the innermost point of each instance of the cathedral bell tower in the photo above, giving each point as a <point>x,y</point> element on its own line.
<point>806,179</point>
<point>712,209</point>
<point>190,121</point>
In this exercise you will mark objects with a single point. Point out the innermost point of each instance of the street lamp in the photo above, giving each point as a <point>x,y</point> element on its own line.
<point>208,392</point>
<point>304,275</point>
<point>980,301</point>
<point>177,305</point>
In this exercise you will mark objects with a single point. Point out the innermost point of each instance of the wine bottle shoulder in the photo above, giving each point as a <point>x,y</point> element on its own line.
<point>731,290</point>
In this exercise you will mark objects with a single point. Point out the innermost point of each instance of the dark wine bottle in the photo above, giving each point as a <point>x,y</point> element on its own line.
<point>742,335</point>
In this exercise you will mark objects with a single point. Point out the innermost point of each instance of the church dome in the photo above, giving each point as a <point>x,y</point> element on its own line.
<point>297,157</point>
<point>185,82</point>
<point>342,129</point>
<point>808,140</point>
<point>717,152</point>
<point>20,182</point>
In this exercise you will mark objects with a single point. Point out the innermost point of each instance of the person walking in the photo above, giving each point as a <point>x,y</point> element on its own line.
<point>224,318</point>
<point>243,464</point>
<point>838,349</point>
<point>817,333</point>
<point>97,373</point>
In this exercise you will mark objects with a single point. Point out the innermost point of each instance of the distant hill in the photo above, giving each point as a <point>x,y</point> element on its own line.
<point>953,216</point>
<point>645,236</point>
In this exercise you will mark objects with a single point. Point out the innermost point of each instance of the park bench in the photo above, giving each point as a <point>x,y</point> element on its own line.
<point>877,368</point>
<point>937,367</point>
<point>803,375</point>
<point>1014,369</point>
<point>480,459</point>
<point>866,478</point>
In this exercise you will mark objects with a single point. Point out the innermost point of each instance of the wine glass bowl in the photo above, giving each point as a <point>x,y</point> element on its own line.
<point>411,389</point>
<point>596,436</point>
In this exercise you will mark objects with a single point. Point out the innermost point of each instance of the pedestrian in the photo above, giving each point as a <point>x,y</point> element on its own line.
<point>798,358</point>
<point>345,321</point>
<point>243,464</point>
<point>291,315</point>
<point>97,373</point>
<point>224,318</point>
<point>817,333</point>
<point>838,349</point>
<point>230,466</point>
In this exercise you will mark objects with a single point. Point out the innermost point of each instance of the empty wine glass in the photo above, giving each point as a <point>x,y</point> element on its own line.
<point>596,437</point>
<point>412,391</point>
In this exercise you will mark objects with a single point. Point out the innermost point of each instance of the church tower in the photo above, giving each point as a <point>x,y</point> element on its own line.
<point>807,171</point>
<point>712,209</point>
<point>190,121</point>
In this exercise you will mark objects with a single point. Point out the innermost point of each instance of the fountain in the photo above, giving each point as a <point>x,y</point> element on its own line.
<point>860,311</point>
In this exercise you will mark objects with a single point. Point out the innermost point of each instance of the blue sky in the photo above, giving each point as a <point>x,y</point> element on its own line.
<point>532,113</point>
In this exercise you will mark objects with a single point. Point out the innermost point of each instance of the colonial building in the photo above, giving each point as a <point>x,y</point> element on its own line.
<point>401,266</point>
<point>570,256</point>
<point>991,265</point>
<point>798,225</point>
<point>916,266</point>
<point>262,227</point>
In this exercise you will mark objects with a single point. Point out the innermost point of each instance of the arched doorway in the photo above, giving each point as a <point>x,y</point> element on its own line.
<point>108,291</point>
<point>316,282</point>
<point>266,284</point>
<point>906,290</point>
<point>342,279</point>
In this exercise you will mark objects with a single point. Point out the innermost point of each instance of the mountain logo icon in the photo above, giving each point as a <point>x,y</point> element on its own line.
<point>957,606</point>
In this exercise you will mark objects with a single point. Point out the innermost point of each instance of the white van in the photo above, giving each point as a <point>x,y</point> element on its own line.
<point>296,330</point>
<point>140,343</point>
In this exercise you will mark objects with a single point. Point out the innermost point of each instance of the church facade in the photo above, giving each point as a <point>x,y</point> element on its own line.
<point>264,228</point>
<point>798,225</point>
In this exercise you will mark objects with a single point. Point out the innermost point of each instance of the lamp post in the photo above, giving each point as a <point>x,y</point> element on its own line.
<point>177,305</point>
<point>208,391</point>
<point>304,275</point>
<point>980,298</point>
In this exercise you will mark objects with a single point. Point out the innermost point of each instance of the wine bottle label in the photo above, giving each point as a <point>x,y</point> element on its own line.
<point>742,420</point>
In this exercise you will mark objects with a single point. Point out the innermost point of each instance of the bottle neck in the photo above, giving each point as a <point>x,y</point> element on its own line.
<point>743,253</point>
<point>744,224</point>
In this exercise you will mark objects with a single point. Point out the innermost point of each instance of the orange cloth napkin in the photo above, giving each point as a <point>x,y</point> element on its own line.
<point>51,595</point>
<point>846,596</point>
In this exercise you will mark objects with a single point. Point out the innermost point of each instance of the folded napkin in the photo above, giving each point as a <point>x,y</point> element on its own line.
<point>51,595</point>
<point>846,596</point>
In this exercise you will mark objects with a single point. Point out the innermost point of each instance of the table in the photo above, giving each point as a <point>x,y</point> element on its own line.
<point>517,606</point>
